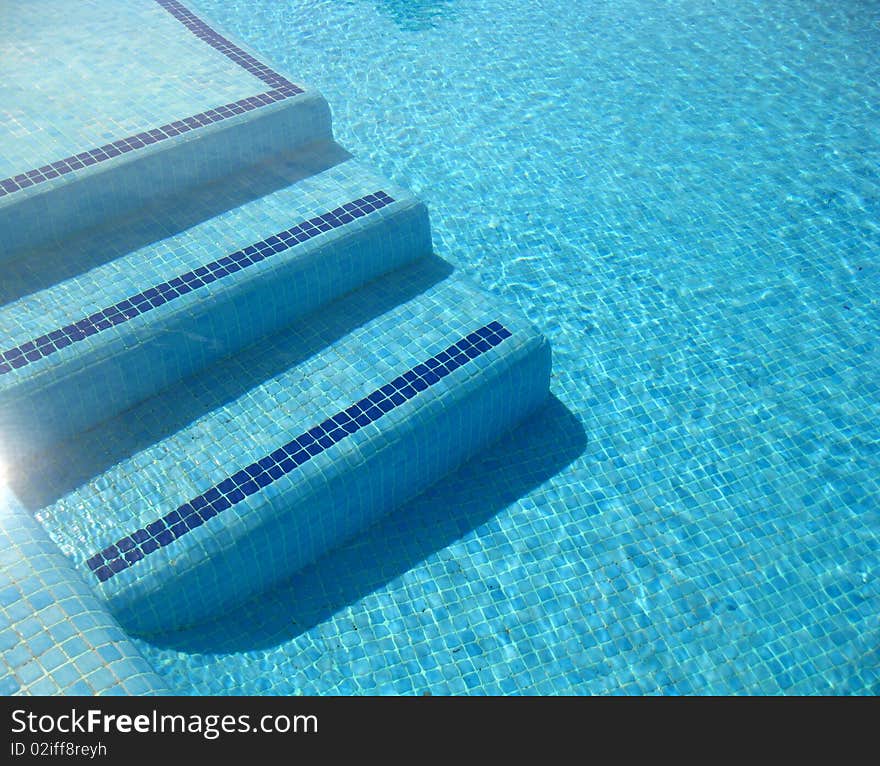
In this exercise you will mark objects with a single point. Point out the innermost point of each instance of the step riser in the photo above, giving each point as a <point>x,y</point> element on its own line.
<point>50,213</point>
<point>291,525</point>
<point>166,344</point>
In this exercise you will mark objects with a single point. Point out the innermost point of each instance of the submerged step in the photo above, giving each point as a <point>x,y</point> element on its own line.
<point>290,449</point>
<point>87,347</point>
<point>199,109</point>
<point>65,641</point>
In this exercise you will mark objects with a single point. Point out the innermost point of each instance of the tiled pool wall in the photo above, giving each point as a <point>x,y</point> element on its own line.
<point>685,199</point>
<point>704,537</point>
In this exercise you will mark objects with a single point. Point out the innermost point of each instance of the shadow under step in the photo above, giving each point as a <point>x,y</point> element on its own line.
<point>92,345</point>
<point>214,491</point>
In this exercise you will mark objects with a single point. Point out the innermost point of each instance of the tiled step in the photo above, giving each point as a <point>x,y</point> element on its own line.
<point>212,491</point>
<point>81,349</point>
<point>199,109</point>
<point>63,640</point>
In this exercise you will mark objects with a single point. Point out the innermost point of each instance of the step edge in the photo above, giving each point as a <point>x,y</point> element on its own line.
<point>86,186</point>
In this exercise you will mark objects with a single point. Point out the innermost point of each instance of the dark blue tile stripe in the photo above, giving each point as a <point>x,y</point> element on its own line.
<point>201,30</point>
<point>165,292</point>
<point>280,89</point>
<point>252,478</point>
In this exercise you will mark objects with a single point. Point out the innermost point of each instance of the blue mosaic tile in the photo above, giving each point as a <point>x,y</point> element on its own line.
<point>201,30</point>
<point>164,292</point>
<point>693,223</point>
<point>131,549</point>
<point>281,88</point>
<point>696,511</point>
<point>56,637</point>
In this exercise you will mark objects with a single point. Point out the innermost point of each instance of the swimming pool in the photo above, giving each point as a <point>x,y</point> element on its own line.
<point>686,202</point>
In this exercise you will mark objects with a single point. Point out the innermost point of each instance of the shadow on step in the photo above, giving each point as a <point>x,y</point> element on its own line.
<point>68,465</point>
<point>535,451</point>
<point>31,272</point>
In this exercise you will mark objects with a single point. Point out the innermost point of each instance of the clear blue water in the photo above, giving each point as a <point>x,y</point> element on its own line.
<point>686,199</point>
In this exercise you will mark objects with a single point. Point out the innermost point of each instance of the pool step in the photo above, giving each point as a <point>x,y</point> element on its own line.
<point>64,640</point>
<point>157,299</point>
<point>243,112</point>
<point>213,491</point>
<point>40,215</point>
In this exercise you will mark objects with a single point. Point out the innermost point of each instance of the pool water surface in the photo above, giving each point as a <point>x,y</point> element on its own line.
<point>685,198</point>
